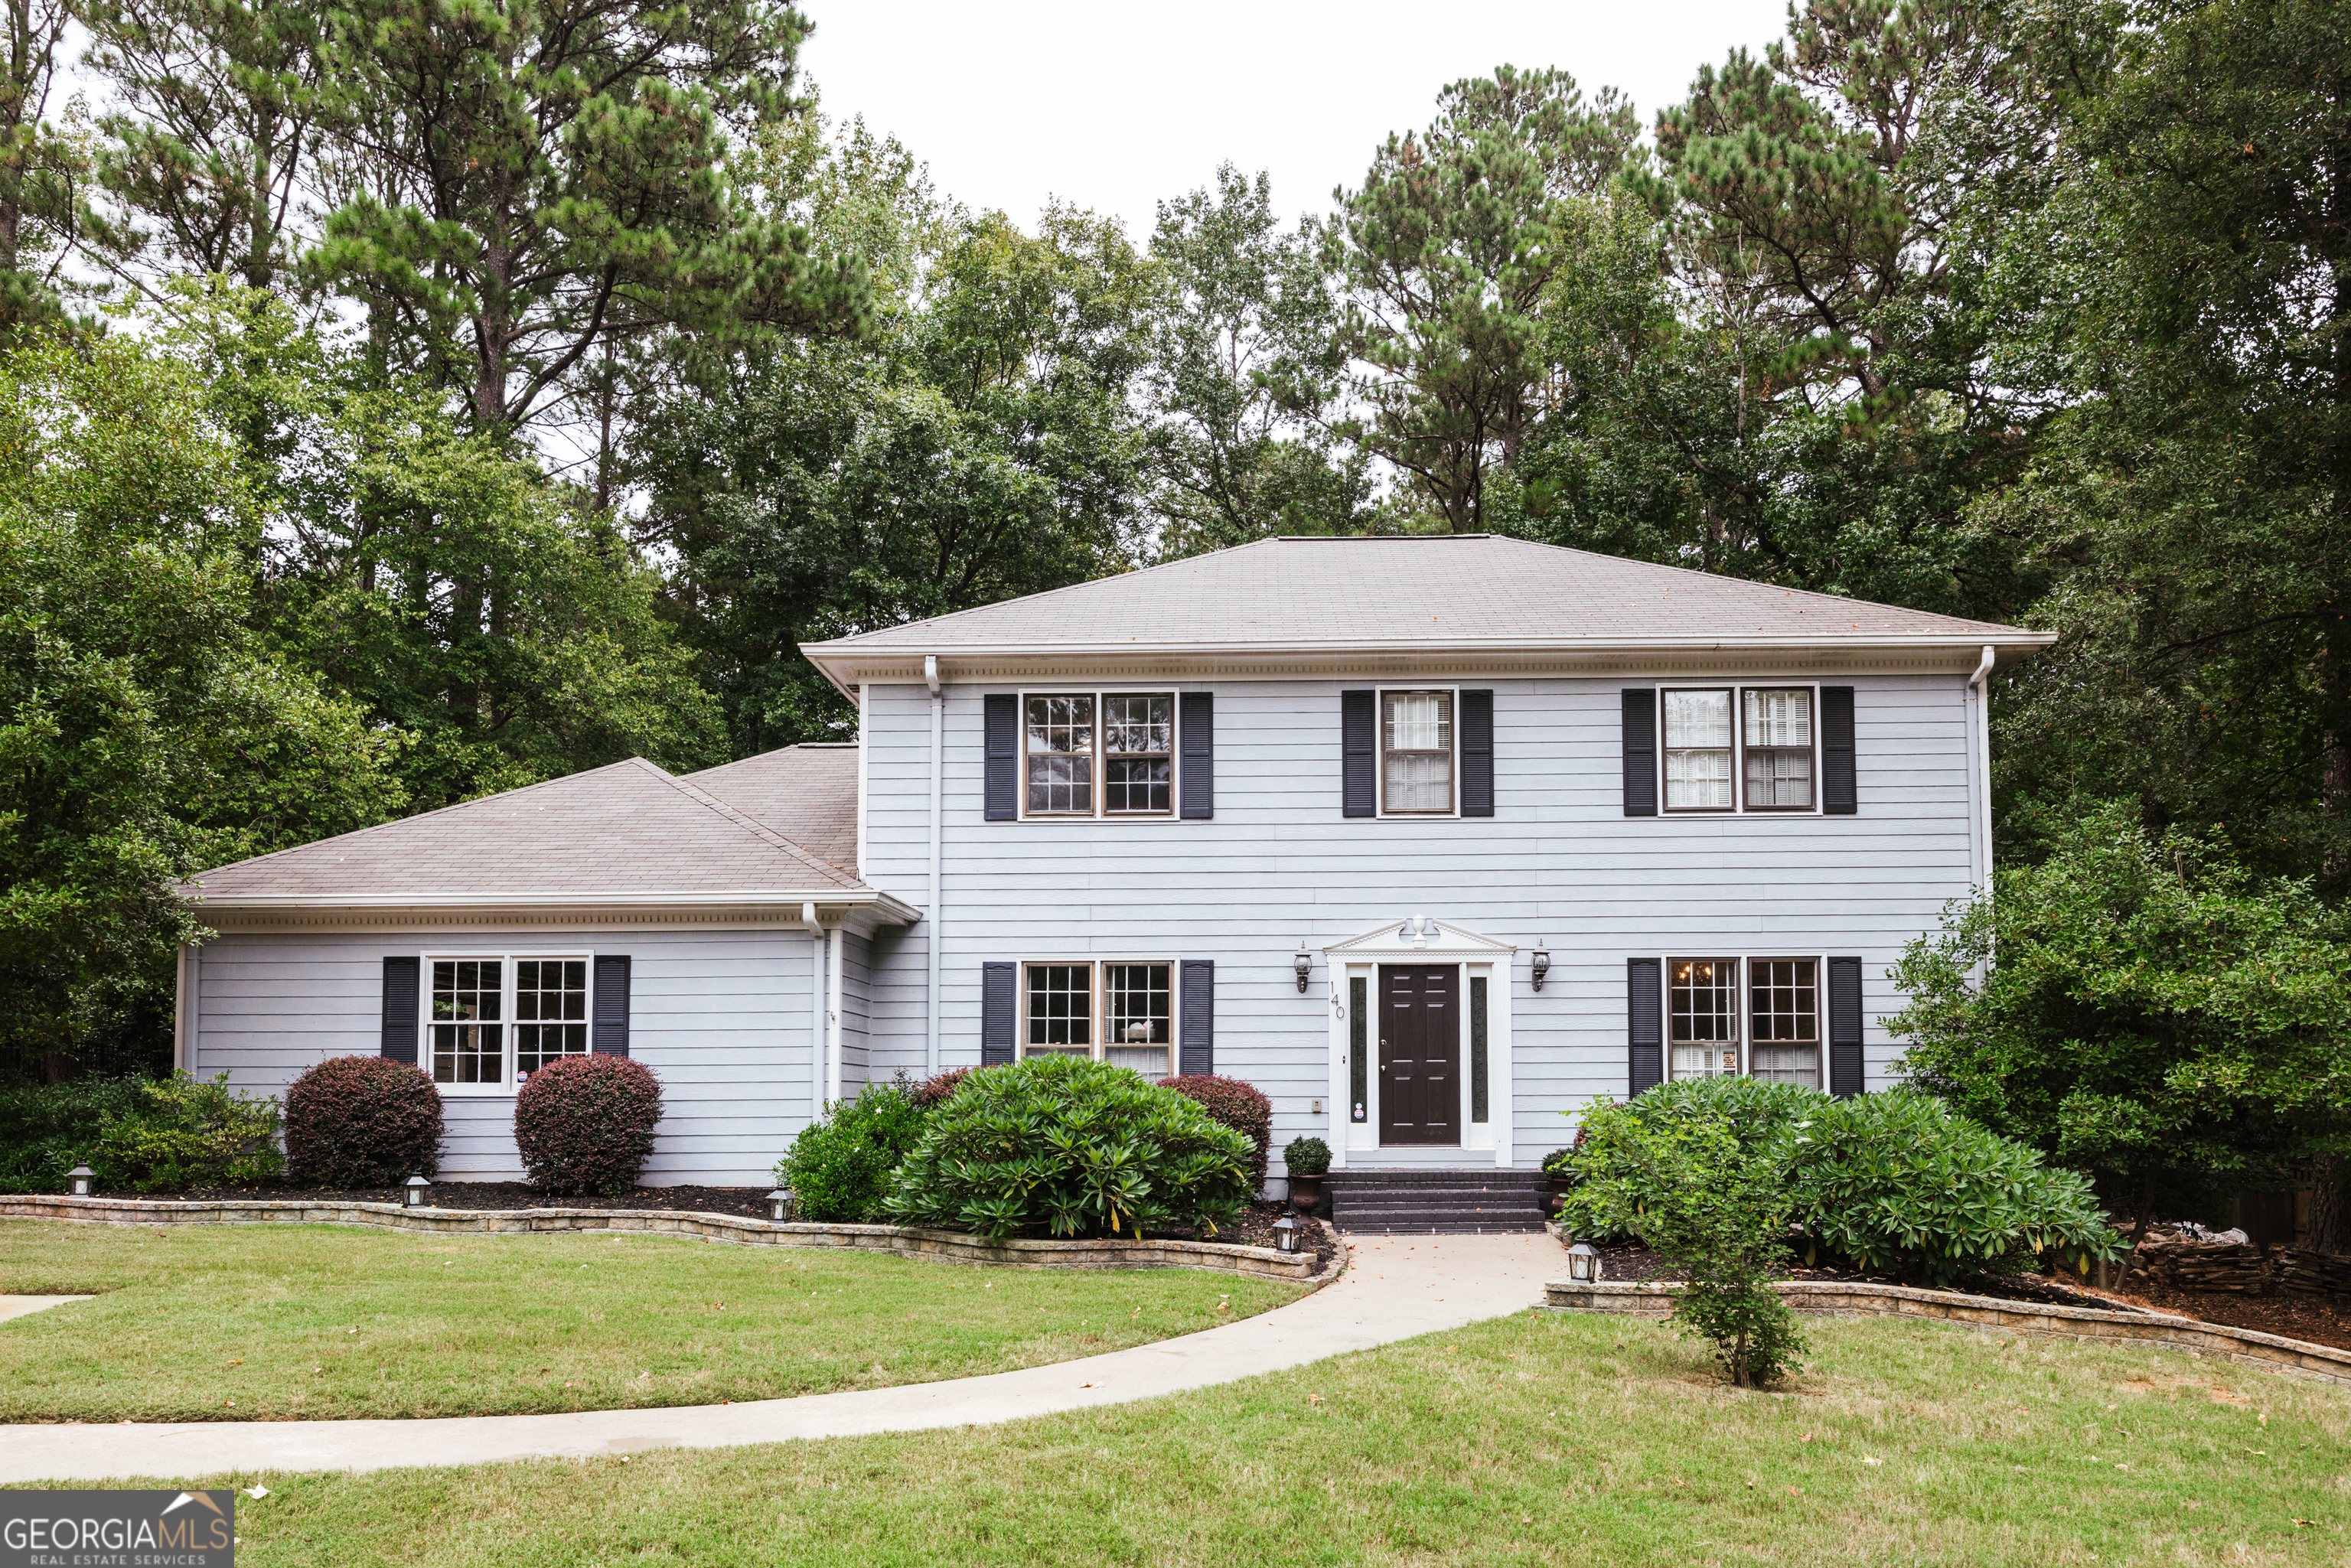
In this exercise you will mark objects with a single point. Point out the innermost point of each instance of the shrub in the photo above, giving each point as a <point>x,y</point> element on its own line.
<point>838,1167</point>
<point>1306,1157</point>
<point>1696,1198</point>
<point>1071,1147</point>
<point>47,1129</point>
<point>936,1090</point>
<point>1238,1105</point>
<point>585,1124</point>
<point>362,1121</point>
<point>1559,1164</point>
<point>183,1132</point>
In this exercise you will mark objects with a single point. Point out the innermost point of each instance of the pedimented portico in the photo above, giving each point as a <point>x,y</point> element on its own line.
<point>1420,1047</point>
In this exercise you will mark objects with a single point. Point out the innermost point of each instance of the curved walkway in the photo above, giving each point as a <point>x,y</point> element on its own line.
<point>1397,1287</point>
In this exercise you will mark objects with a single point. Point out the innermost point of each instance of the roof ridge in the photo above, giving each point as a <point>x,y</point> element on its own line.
<point>759,829</point>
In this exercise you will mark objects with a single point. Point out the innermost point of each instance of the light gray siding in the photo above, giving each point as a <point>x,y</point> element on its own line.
<point>722,1016</point>
<point>1558,862</point>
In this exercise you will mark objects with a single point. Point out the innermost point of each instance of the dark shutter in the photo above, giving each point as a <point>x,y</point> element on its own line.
<point>609,1032</point>
<point>401,983</point>
<point>1837,796</point>
<point>1844,1025</point>
<point>996,1011</point>
<point>1360,755</point>
<point>1002,794</point>
<point>1196,714</point>
<point>1645,1022</point>
<point>1640,752</point>
<point>1198,1002</point>
<point>1477,753</point>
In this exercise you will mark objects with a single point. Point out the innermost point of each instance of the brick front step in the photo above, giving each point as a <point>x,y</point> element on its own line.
<point>1449,1201</point>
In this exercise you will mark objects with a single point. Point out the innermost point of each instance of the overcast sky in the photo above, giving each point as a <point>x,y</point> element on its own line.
<point>1115,107</point>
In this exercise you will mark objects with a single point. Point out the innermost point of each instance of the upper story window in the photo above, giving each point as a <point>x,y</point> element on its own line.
<point>1706,733</point>
<point>1416,753</point>
<point>1110,754</point>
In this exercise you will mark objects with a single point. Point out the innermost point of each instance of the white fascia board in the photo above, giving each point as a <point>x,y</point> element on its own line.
<point>881,904</point>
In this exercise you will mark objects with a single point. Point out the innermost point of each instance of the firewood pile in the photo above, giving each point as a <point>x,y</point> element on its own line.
<point>2183,1264</point>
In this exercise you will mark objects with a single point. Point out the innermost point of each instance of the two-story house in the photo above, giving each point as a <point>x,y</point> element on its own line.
<point>1431,839</point>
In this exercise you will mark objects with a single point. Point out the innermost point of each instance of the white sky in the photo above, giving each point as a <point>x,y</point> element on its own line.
<point>1115,107</point>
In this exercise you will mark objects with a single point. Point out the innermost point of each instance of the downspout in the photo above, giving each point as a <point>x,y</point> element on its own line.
<point>938,800</point>
<point>832,1013</point>
<point>816,1011</point>
<point>1978,683</point>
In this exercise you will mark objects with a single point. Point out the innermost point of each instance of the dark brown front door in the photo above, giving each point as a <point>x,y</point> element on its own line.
<point>1420,1054</point>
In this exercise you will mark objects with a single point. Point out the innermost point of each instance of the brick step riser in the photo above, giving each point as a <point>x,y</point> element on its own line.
<point>1361,1219</point>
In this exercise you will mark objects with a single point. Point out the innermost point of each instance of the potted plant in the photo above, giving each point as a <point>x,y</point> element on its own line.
<point>1308,1160</point>
<point>1563,1178</point>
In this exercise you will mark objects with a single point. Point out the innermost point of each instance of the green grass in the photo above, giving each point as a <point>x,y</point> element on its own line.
<point>242,1322</point>
<point>1540,1439</point>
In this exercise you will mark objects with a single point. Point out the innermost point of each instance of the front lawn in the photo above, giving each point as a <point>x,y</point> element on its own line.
<point>1539,1439</point>
<point>234,1322</point>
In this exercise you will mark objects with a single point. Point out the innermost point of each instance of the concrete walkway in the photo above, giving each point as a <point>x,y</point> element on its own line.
<point>1395,1288</point>
<point>19,1306</point>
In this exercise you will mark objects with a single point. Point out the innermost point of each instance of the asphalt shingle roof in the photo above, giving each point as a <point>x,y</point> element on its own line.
<point>1435,589</point>
<point>808,793</point>
<point>628,828</point>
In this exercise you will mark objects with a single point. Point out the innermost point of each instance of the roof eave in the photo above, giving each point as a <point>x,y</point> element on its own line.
<point>883,906</point>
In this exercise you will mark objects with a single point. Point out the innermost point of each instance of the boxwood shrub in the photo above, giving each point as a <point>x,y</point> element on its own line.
<point>1239,1105</point>
<point>1896,1183</point>
<point>838,1167</point>
<point>585,1124</point>
<point>1064,1146</point>
<point>362,1121</point>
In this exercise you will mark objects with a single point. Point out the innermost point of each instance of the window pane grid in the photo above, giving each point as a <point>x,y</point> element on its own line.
<point>1061,755</point>
<point>468,1039</point>
<point>550,1011</point>
<point>1783,1000</point>
<point>1416,751</point>
<point>1702,1014</point>
<point>1698,751</point>
<point>1141,999</point>
<point>1060,1008</point>
<point>1138,753</point>
<point>1779,750</point>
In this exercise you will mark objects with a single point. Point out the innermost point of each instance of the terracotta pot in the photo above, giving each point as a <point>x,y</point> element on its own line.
<point>1306,1193</point>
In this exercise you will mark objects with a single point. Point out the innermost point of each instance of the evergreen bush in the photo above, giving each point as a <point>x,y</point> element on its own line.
<point>361,1122</point>
<point>838,1167</point>
<point>1306,1157</point>
<point>1065,1147</point>
<point>183,1132</point>
<point>585,1124</point>
<point>47,1129</point>
<point>1239,1105</point>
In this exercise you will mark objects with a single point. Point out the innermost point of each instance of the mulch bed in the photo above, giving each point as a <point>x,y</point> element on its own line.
<point>1255,1230</point>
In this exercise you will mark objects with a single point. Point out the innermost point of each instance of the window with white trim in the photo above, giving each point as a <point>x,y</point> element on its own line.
<point>1739,748</point>
<point>1782,1016</point>
<point>1098,754</point>
<point>491,1021</point>
<point>1702,1017</point>
<point>1698,751</point>
<point>1121,1012</point>
<point>1784,1019</point>
<point>1779,736</point>
<point>1416,753</point>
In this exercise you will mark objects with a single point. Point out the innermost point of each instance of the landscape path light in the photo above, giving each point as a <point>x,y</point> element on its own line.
<point>79,1176</point>
<point>779,1205</point>
<point>416,1186</point>
<point>1285,1234</point>
<point>1584,1264</point>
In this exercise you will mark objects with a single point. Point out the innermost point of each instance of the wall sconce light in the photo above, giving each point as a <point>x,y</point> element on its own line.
<point>415,1195</point>
<point>779,1205</point>
<point>79,1176</point>
<point>1285,1234</point>
<point>1303,962</point>
<point>1541,958</point>
<point>1584,1264</point>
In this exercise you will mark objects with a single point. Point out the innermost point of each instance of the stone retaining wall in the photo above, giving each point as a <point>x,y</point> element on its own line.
<point>944,1246</point>
<point>1813,1298</point>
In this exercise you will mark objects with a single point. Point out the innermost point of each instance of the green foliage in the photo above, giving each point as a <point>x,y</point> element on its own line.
<point>1064,1146</point>
<point>1709,1204</point>
<point>1306,1157</point>
<point>47,1129</point>
<point>2150,1006</point>
<point>838,1167</point>
<point>186,1132</point>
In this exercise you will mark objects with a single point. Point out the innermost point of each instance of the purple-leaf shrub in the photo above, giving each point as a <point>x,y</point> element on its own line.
<point>585,1124</point>
<point>362,1121</point>
<point>1239,1105</point>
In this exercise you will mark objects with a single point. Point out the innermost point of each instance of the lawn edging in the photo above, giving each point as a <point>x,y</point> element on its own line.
<point>940,1246</point>
<point>1843,1299</point>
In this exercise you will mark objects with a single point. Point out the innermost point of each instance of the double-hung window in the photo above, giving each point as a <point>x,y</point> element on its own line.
<point>491,1022</point>
<point>1747,748</point>
<point>1099,754</point>
<point>1416,754</point>
<point>1781,1017</point>
<point>1116,1010</point>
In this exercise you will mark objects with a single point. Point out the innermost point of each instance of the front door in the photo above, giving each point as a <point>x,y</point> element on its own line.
<point>1420,1054</point>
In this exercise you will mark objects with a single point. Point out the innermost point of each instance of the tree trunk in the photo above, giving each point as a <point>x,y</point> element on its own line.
<point>2330,1215</point>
